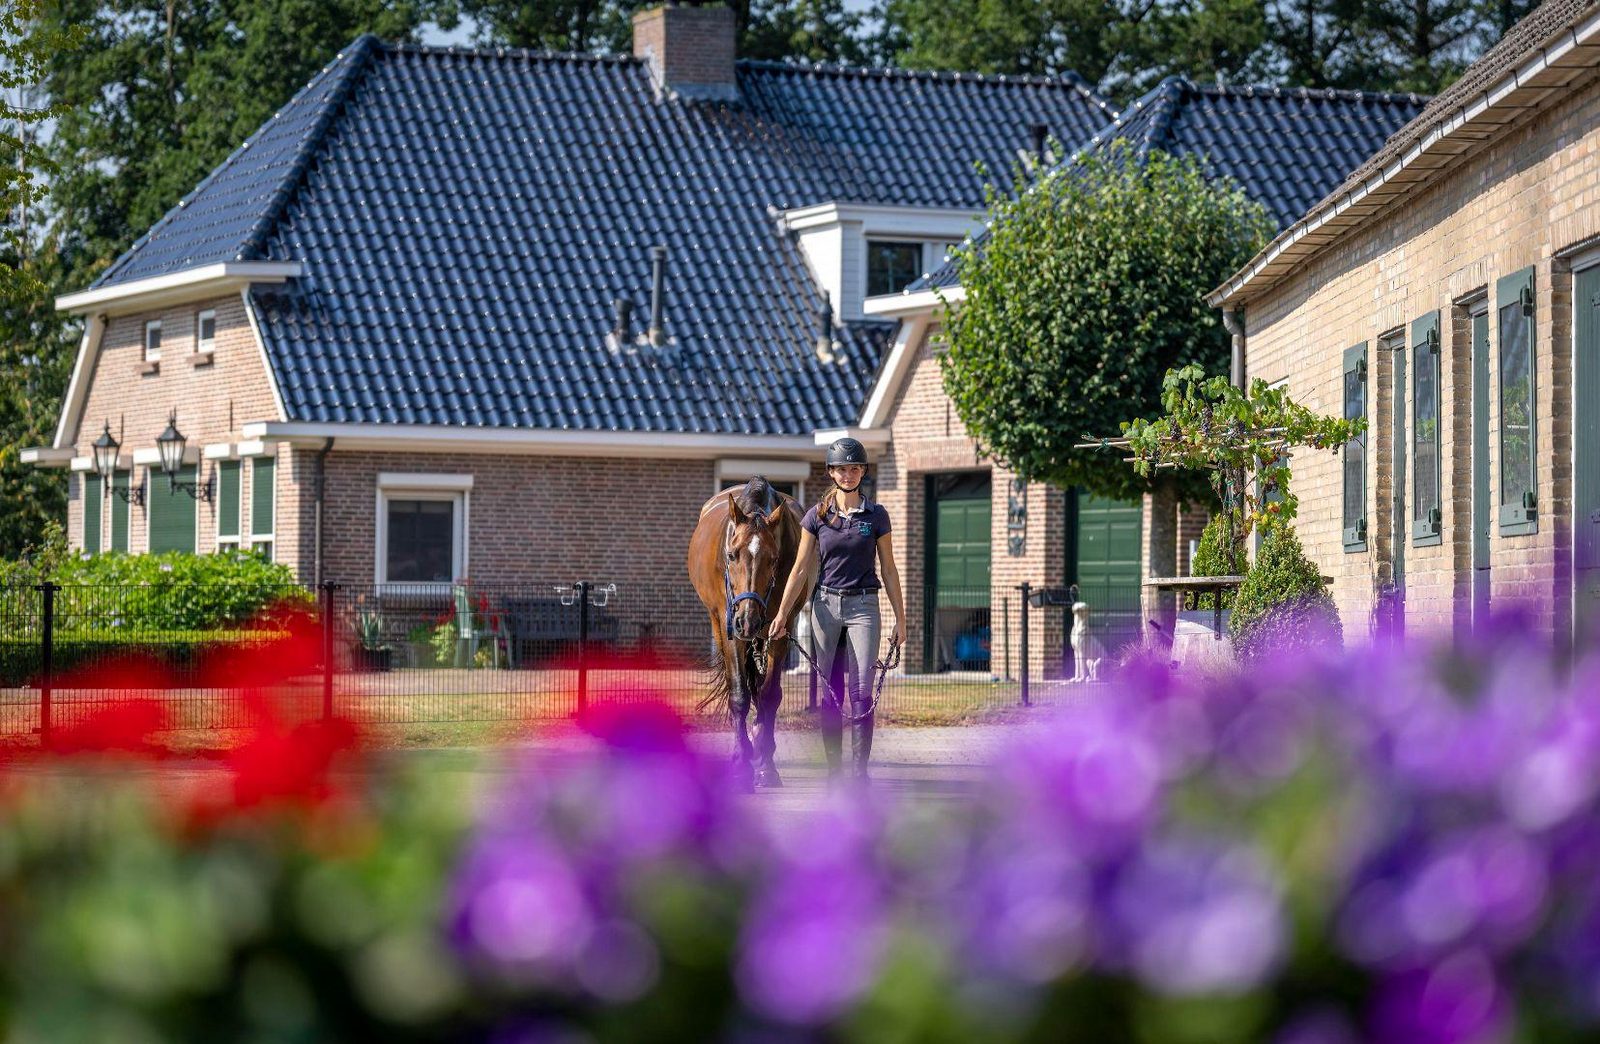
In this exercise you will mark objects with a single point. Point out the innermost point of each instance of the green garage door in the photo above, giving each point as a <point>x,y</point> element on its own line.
<point>1107,568</point>
<point>958,560</point>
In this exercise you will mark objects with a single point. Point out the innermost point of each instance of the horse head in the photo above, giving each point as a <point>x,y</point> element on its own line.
<point>751,552</point>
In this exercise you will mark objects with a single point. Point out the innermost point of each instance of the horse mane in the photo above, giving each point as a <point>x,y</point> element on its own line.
<point>758,495</point>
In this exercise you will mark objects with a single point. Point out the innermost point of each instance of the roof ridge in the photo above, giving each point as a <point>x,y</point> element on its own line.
<point>1329,93</point>
<point>244,147</point>
<point>502,51</point>
<point>1072,78</point>
<point>355,59</point>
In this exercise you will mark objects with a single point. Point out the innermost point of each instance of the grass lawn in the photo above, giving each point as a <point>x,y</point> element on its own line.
<point>449,707</point>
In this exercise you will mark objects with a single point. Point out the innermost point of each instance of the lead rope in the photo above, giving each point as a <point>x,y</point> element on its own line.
<point>883,667</point>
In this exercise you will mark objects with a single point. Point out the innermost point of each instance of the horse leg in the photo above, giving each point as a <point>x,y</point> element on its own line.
<point>767,701</point>
<point>739,695</point>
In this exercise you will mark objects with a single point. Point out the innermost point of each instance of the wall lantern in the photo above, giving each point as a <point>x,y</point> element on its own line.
<point>171,444</point>
<point>105,465</point>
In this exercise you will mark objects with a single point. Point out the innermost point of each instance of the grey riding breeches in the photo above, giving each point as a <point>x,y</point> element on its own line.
<point>858,618</point>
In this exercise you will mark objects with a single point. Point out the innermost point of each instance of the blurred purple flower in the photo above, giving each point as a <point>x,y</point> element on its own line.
<point>1193,917</point>
<point>520,904</point>
<point>1457,1001</point>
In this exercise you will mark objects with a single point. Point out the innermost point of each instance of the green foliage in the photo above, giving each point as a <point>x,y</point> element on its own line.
<point>444,644</point>
<point>369,628</point>
<point>1284,605</point>
<point>174,591</point>
<point>1211,426</point>
<point>1088,289</point>
<point>1212,558</point>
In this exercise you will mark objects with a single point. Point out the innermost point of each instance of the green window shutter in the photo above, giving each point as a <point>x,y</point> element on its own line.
<point>261,491</point>
<point>1518,422</point>
<point>227,499</point>
<point>171,513</point>
<point>1355,451</point>
<point>93,494</point>
<point>119,511</point>
<point>1427,508</point>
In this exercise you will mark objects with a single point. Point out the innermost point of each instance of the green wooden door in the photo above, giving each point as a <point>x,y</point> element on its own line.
<point>1586,452</point>
<point>1107,567</point>
<point>957,599</point>
<point>93,498</point>
<point>171,513</point>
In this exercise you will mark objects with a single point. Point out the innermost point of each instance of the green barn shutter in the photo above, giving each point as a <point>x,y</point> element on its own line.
<point>119,511</point>
<point>172,513</point>
<point>1355,451</point>
<point>227,499</point>
<point>93,494</point>
<point>261,482</point>
<point>1519,451</point>
<point>1427,508</point>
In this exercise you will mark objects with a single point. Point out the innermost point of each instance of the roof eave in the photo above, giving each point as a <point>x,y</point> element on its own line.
<point>1553,64</point>
<point>534,441</point>
<point>901,305</point>
<point>192,284</point>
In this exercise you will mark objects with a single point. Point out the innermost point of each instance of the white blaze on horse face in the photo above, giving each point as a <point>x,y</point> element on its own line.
<point>755,546</point>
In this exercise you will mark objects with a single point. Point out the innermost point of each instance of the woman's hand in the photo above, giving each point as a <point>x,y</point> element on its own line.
<point>778,629</point>
<point>897,633</point>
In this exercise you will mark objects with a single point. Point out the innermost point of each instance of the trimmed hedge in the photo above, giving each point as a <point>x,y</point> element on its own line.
<point>1283,605</point>
<point>177,652</point>
<point>1211,559</point>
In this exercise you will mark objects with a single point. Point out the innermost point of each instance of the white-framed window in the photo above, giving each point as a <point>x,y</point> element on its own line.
<point>421,529</point>
<point>205,331</point>
<point>230,503</point>
<point>263,505</point>
<point>892,265</point>
<point>152,341</point>
<point>786,476</point>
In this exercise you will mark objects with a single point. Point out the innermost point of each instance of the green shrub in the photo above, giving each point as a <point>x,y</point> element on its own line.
<point>1211,559</point>
<point>173,591</point>
<point>1283,604</point>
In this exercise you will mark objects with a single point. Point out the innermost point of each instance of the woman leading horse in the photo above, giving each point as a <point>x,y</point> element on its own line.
<point>845,548</point>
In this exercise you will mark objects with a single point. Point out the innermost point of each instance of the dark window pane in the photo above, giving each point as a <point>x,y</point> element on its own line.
<point>1425,437</point>
<point>891,267</point>
<point>1355,451</point>
<point>1516,406</point>
<point>419,540</point>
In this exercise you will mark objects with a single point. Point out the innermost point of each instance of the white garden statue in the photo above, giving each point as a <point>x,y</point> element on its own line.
<point>1087,648</point>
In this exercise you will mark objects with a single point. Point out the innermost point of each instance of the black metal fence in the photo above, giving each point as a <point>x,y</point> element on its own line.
<point>401,653</point>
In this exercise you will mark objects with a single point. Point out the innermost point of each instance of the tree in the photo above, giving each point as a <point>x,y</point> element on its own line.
<point>35,348</point>
<point>779,30</point>
<point>160,93</point>
<point>1087,290</point>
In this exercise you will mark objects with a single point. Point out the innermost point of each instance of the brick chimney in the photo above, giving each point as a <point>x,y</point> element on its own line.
<point>690,50</point>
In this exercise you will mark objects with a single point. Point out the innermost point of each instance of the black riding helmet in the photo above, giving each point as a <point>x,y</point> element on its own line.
<point>846,451</point>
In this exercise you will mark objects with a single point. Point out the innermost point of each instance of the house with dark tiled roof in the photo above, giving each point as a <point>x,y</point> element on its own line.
<point>1286,148</point>
<point>514,316</point>
<point>1448,291</point>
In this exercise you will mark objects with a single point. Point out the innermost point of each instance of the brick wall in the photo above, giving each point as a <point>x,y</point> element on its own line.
<point>1525,198</point>
<point>215,396</point>
<point>928,438</point>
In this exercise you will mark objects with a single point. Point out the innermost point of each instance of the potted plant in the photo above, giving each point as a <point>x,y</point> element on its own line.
<point>371,653</point>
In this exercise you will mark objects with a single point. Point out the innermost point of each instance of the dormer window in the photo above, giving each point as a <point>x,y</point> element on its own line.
<point>152,341</point>
<point>205,331</point>
<point>892,265</point>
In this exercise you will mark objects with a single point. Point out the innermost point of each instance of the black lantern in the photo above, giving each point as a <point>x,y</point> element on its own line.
<point>105,465</point>
<point>170,444</point>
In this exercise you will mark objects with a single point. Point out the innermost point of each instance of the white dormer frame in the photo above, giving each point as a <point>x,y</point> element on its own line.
<point>833,237</point>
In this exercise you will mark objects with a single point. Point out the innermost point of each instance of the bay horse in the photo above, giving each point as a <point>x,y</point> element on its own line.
<point>740,555</point>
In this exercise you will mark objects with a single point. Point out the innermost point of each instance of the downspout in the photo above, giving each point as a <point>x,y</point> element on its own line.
<point>1233,320</point>
<point>322,472</point>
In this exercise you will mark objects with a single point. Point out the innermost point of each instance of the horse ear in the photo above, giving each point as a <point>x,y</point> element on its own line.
<point>775,515</point>
<point>733,510</point>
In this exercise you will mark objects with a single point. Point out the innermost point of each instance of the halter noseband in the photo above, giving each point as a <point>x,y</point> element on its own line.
<point>734,600</point>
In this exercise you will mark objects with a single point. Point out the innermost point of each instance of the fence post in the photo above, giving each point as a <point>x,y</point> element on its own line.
<point>328,588</point>
<point>1005,623</point>
<point>47,641</point>
<point>582,587</point>
<point>1023,673</point>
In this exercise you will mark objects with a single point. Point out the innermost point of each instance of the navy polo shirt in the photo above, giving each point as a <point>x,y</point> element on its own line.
<point>849,545</point>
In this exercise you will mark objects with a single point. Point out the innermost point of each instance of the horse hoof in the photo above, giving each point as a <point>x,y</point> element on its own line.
<point>743,779</point>
<point>767,778</point>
